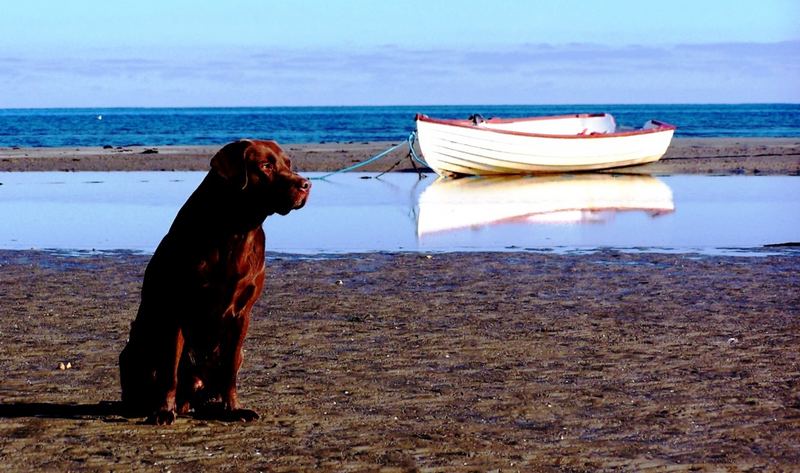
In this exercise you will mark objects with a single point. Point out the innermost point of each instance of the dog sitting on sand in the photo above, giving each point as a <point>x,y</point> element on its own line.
<point>185,345</point>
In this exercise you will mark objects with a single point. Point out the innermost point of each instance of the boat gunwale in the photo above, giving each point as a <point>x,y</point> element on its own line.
<point>468,124</point>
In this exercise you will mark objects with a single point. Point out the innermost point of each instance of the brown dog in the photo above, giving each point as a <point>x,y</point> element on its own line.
<point>185,346</point>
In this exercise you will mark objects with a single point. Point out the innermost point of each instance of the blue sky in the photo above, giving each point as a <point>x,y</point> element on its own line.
<point>260,53</point>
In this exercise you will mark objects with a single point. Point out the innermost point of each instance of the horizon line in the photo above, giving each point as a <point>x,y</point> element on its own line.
<point>165,107</point>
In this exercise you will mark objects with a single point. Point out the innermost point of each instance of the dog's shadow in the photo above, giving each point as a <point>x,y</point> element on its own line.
<point>106,411</point>
<point>109,411</point>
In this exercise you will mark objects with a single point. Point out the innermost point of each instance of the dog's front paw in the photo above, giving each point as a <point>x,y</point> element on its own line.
<point>162,417</point>
<point>243,415</point>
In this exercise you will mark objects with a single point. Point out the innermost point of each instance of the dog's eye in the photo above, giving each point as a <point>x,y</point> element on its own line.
<point>266,166</point>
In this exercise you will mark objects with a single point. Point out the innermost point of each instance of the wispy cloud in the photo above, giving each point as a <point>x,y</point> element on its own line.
<point>525,73</point>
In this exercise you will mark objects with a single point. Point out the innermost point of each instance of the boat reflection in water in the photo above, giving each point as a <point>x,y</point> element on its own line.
<point>451,204</point>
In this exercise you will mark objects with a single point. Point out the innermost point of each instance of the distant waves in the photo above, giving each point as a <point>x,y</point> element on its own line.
<point>211,126</point>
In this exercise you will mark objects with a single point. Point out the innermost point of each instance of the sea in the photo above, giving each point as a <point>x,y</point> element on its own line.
<point>66,127</point>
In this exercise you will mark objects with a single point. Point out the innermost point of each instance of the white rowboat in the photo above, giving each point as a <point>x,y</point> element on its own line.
<point>581,142</point>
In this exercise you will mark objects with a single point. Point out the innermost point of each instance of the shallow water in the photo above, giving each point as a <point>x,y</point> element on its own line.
<point>399,212</point>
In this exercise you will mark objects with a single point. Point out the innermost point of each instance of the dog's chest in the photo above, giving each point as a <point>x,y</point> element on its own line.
<point>236,262</point>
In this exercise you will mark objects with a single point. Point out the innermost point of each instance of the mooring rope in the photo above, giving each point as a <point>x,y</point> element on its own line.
<point>363,163</point>
<point>409,141</point>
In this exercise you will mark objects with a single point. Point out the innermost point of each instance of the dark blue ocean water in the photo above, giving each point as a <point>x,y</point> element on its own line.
<point>213,126</point>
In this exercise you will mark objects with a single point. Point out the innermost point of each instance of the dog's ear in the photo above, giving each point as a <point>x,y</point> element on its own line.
<point>229,162</point>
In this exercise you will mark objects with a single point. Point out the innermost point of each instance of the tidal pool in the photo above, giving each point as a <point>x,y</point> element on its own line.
<point>360,212</point>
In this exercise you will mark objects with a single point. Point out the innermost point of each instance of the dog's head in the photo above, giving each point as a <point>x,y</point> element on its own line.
<point>261,169</point>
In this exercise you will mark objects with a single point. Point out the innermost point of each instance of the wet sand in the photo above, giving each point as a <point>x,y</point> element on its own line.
<point>400,362</point>
<point>751,156</point>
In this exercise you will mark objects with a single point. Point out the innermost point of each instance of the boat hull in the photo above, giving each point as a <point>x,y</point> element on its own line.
<point>453,147</point>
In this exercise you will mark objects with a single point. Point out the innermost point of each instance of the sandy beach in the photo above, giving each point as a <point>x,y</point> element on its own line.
<point>458,362</point>
<point>749,156</point>
<point>412,362</point>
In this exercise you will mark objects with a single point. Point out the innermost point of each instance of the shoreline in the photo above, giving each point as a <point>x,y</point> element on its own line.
<point>745,156</point>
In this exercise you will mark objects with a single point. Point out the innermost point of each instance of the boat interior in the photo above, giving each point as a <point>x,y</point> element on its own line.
<point>584,124</point>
